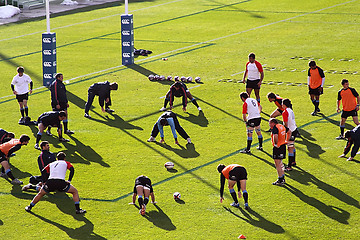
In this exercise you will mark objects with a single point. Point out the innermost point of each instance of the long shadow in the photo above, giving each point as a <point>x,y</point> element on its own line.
<point>200,120</point>
<point>116,121</point>
<point>306,178</point>
<point>255,219</point>
<point>336,122</point>
<point>252,14</point>
<point>160,219</point>
<point>313,150</point>
<point>146,72</point>
<point>188,152</point>
<point>81,153</point>
<point>332,212</point>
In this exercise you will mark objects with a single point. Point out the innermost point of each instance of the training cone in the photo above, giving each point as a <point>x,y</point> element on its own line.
<point>241,237</point>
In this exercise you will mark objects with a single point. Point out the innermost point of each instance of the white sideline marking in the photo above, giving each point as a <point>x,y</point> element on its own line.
<point>237,73</point>
<point>188,88</point>
<point>212,40</point>
<point>92,20</point>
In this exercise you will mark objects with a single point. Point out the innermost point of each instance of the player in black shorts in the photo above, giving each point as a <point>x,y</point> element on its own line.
<point>142,188</point>
<point>48,119</point>
<point>353,137</point>
<point>59,101</point>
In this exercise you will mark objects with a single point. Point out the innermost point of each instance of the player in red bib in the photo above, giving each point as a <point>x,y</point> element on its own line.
<point>255,74</point>
<point>234,173</point>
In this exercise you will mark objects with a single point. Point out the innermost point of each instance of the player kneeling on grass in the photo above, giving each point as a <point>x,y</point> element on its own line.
<point>142,188</point>
<point>353,137</point>
<point>252,121</point>
<point>56,182</point>
<point>101,89</point>
<point>8,148</point>
<point>234,173</point>
<point>350,100</point>
<point>168,118</point>
<point>50,119</point>
<point>279,140</point>
<point>289,122</point>
<point>179,89</point>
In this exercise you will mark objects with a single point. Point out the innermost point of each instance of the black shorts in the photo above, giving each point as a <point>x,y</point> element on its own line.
<point>238,173</point>
<point>22,97</point>
<point>315,91</point>
<point>346,114</point>
<point>145,182</point>
<point>56,185</point>
<point>279,110</point>
<point>2,157</point>
<point>279,153</point>
<point>63,107</point>
<point>294,134</point>
<point>253,122</point>
<point>252,84</point>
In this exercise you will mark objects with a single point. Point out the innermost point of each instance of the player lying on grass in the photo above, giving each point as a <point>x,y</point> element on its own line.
<point>234,173</point>
<point>142,188</point>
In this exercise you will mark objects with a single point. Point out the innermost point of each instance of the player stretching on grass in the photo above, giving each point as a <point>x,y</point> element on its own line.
<point>255,75</point>
<point>252,121</point>
<point>142,188</point>
<point>278,139</point>
<point>350,101</point>
<point>234,173</point>
<point>353,137</point>
<point>278,102</point>
<point>56,182</point>
<point>316,80</point>
<point>179,89</point>
<point>289,122</point>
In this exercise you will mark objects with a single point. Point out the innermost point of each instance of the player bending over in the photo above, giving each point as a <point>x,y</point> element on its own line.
<point>142,188</point>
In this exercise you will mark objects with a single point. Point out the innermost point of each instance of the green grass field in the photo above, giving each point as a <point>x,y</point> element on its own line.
<point>205,38</point>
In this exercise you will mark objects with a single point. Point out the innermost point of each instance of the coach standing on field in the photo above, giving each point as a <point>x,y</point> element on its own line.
<point>255,75</point>
<point>101,89</point>
<point>20,87</point>
<point>59,101</point>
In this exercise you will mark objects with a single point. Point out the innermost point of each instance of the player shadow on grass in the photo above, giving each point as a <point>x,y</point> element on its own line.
<point>303,177</point>
<point>81,153</point>
<point>159,218</point>
<point>146,72</point>
<point>337,122</point>
<point>313,150</point>
<point>19,173</point>
<point>116,121</point>
<point>188,152</point>
<point>200,120</point>
<point>332,212</point>
<point>257,220</point>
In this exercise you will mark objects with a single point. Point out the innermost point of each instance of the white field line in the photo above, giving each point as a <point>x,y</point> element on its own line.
<point>197,44</point>
<point>188,88</point>
<point>92,20</point>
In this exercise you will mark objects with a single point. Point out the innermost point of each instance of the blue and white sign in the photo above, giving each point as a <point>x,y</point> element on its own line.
<point>48,58</point>
<point>127,39</point>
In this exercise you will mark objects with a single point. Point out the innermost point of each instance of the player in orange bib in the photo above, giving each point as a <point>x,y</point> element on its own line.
<point>316,80</point>
<point>234,173</point>
<point>350,100</point>
<point>279,138</point>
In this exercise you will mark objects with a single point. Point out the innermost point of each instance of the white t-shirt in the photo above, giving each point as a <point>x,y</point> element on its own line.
<point>21,83</point>
<point>58,169</point>
<point>289,117</point>
<point>253,70</point>
<point>251,107</point>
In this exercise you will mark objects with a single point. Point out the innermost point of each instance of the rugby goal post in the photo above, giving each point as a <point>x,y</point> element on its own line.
<point>127,37</point>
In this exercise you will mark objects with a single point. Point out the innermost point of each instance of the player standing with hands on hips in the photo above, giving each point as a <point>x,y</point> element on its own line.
<point>255,76</point>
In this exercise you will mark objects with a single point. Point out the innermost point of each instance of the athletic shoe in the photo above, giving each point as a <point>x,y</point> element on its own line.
<point>259,148</point>
<point>69,132</point>
<point>64,140</point>
<point>246,205</point>
<point>28,208</point>
<point>3,175</point>
<point>245,151</point>
<point>162,109</point>
<point>26,187</point>
<point>340,137</point>
<point>151,139</point>
<point>313,113</point>
<point>80,211</point>
<point>234,204</point>
<point>16,182</point>
<point>37,146</point>
<point>279,182</point>
<point>199,108</point>
<point>188,140</point>
<point>48,133</point>
<point>87,115</point>
<point>142,210</point>
<point>288,169</point>
<point>108,110</point>
<point>293,164</point>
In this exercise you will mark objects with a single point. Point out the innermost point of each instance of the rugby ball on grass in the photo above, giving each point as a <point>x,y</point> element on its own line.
<point>197,79</point>
<point>151,77</point>
<point>177,196</point>
<point>169,165</point>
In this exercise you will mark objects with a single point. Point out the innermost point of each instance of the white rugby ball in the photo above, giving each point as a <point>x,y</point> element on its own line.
<point>169,165</point>
<point>151,77</point>
<point>197,79</point>
<point>169,78</point>
<point>189,79</point>
<point>183,79</point>
<point>176,78</point>
<point>162,78</point>
<point>157,77</point>
<point>177,196</point>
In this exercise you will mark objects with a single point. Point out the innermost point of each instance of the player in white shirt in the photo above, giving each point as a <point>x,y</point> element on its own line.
<point>56,182</point>
<point>251,115</point>
<point>20,87</point>
<point>289,122</point>
<point>255,75</point>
